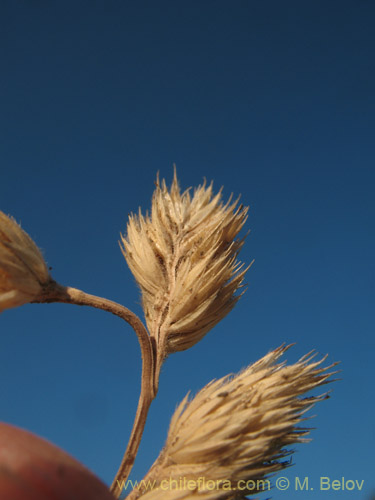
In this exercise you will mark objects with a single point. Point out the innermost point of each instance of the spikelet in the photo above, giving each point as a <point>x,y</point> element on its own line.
<point>183,257</point>
<point>234,432</point>
<point>23,271</point>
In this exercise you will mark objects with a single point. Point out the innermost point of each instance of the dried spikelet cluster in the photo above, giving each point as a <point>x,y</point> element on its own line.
<point>227,440</point>
<point>23,270</point>
<point>235,429</point>
<point>183,257</point>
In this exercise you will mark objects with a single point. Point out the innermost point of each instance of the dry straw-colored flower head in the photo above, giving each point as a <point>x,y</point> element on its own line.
<point>184,258</point>
<point>23,271</point>
<point>234,432</point>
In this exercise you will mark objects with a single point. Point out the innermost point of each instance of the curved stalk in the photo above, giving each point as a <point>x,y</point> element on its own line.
<point>54,292</point>
<point>132,448</point>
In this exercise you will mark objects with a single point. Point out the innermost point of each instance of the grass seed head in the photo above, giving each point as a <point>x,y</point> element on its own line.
<point>23,271</point>
<point>184,257</point>
<point>236,430</point>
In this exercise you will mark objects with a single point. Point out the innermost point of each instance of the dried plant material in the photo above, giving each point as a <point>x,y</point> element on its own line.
<point>234,431</point>
<point>23,271</point>
<point>184,258</point>
<point>224,443</point>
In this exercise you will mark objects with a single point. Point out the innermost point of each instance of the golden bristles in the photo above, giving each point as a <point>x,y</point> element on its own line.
<point>23,271</point>
<point>184,258</point>
<point>234,431</point>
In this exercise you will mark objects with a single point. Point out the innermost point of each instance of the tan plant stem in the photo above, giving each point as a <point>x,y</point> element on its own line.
<point>54,292</point>
<point>132,448</point>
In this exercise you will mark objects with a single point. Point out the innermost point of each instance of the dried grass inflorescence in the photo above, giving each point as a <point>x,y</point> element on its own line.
<point>23,271</point>
<point>235,430</point>
<point>184,258</point>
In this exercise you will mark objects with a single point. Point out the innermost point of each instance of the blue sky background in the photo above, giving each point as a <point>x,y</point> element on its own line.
<point>273,100</point>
